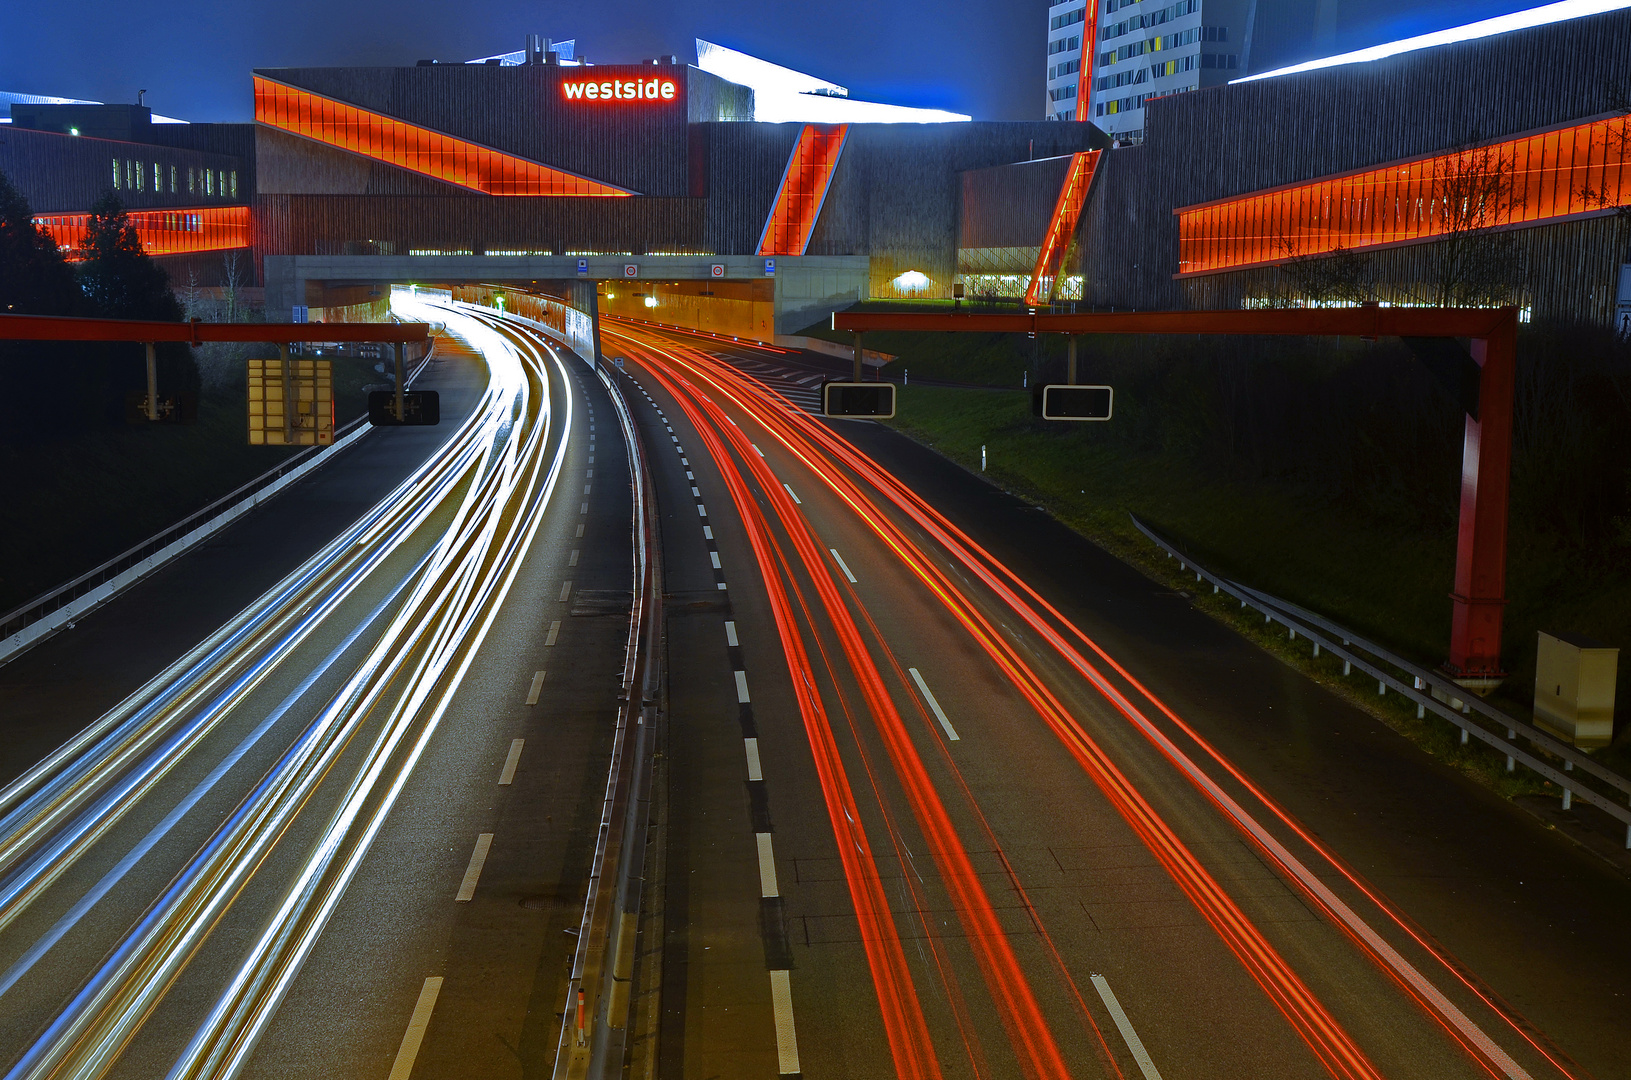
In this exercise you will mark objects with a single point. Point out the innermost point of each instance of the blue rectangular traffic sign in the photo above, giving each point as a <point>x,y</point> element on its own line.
<point>770,268</point>
<point>583,266</point>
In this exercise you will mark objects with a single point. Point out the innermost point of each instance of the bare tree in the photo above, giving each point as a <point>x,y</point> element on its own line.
<point>1474,191</point>
<point>1337,277</point>
<point>1615,145</point>
<point>232,283</point>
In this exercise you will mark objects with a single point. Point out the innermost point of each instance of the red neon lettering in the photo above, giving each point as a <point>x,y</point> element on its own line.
<point>618,90</point>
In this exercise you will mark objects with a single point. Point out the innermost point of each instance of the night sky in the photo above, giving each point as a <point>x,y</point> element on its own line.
<point>982,57</point>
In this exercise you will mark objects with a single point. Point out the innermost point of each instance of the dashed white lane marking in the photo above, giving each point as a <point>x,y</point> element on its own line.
<point>554,632</point>
<point>689,475</point>
<point>580,530</point>
<point>781,1005</point>
<point>1134,1043</point>
<point>535,688</point>
<point>573,561</point>
<point>684,462</point>
<point>707,532</point>
<point>695,494</point>
<point>730,634</point>
<point>742,687</point>
<point>408,1052</point>
<point>507,777</point>
<point>587,488</point>
<point>793,493</point>
<point>720,586</point>
<point>702,511</point>
<point>591,459</point>
<point>472,873</point>
<point>751,746</point>
<point>589,475</point>
<point>715,556</point>
<point>767,865</point>
<point>842,565</point>
<point>584,509</point>
<point>756,449</point>
<point>939,713</point>
<point>566,591</point>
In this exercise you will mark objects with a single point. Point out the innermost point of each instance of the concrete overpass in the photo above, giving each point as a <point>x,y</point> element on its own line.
<point>806,289</point>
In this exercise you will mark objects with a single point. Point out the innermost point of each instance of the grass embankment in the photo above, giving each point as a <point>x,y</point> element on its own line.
<point>1385,575</point>
<point>72,504</point>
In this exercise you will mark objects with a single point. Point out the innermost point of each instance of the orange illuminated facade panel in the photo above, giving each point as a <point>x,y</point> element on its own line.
<point>803,189</point>
<point>1531,179</point>
<point>162,232</point>
<point>1067,214</point>
<point>416,149</point>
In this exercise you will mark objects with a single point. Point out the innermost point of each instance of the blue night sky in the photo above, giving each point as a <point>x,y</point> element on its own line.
<point>983,57</point>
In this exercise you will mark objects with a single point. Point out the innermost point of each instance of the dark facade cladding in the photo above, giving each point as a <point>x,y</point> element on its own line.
<point>1010,205</point>
<point>1232,140</point>
<point>401,224</point>
<point>63,174</point>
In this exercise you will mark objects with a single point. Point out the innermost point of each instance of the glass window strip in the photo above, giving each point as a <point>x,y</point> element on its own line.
<point>1553,174</point>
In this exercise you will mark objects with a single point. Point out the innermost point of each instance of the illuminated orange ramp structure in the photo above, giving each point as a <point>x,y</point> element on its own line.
<point>416,149</point>
<point>1535,178</point>
<point>162,232</point>
<point>803,189</point>
<point>1067,212</point>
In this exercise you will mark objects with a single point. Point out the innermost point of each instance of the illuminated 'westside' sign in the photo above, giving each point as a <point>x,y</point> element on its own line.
<point>619,89</point>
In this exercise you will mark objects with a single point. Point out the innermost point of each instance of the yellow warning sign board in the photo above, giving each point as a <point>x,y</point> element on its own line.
<point>291,403</point>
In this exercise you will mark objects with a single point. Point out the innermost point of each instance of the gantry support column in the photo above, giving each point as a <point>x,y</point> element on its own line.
<point>1479,599</point>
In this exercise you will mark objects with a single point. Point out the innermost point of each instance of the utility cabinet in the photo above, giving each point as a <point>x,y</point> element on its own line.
<point>1574,688</point>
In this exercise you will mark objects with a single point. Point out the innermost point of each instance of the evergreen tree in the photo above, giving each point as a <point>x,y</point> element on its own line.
<point>121,281</point>
<point>35,279</point>
<point>119,278</point>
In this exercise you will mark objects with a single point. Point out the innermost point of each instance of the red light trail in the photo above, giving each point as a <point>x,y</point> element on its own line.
<point>801,435</point>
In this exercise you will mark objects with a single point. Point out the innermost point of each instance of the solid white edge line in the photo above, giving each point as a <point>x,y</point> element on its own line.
<point>842,565</point>
<point>1125,1026</point>
<point>767,865</point>
<point>408,1052</point>
<point>507,777</point>
<point>939,713</point>
<point>751,746</point>
<point>781,1005</point>
<point>742,687</point>
<point>536,687</point>
<point>472,873</point>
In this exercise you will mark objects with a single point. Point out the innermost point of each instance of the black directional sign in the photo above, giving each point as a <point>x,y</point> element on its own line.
<point>1063,402</point>
<point>419,408</point>
<point>869,399</point>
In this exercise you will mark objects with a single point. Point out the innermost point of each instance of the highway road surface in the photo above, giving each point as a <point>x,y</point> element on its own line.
<point>948,791</point>
<point>337,757</point>
<point>956,794</point>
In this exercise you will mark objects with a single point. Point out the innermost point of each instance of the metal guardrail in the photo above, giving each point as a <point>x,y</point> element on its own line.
<point>1544,754</point>
<point>156,549</point>
<point>43,605</point>
<point>596,1018</point>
